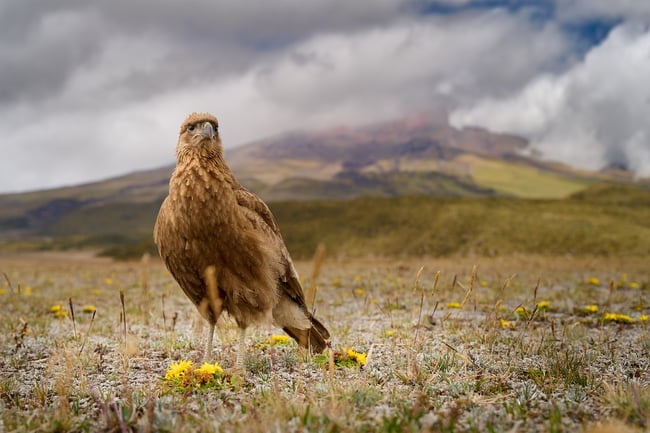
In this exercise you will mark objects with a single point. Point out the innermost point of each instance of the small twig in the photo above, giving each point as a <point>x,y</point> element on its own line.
<point>535,291</point>
<point>8,281</point>
<point>74,325</point>
<point>415,287</point>
<point>116,410</point>
<point>435,283</point>
<point>163,313</point>
<point>471,287</point>
<point>468,356</point>
<point>123,316</point>
<point>20,337</point>
<point>319,258</point>
<point>102,406</point>
<point>506,283</point>
<point>92,320</point>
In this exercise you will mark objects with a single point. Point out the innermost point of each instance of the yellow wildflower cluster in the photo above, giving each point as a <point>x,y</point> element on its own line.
<point>618,318</point>
<point>184,373</point>
<point>507,324</point>
<point>359,358</point>
<point>341,358</point>
<point>453,305</point>
<point>591,309</point>
<point>544,305</point>
<point>279,339</point>
<point>593,281</point>
<point>178,369</point>
<point>58,311</point>
<point>89,308</point>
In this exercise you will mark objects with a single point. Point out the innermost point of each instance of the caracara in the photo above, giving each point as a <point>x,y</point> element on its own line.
<point>223,246</point>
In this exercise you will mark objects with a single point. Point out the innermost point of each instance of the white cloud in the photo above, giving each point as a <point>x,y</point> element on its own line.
<point>120,108</point>
<point>594,114</point>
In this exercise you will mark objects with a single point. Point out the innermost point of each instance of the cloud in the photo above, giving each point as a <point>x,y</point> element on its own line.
<point>571,11</point>
<point>92,90</point>
<point>593,115</point>
<point>99,90</point>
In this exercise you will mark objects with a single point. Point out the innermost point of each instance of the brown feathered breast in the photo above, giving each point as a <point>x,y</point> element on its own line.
<point>209,219</point>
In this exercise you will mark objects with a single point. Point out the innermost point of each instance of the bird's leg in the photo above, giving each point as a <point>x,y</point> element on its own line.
<point>208,346</point>
<point>241,350</point>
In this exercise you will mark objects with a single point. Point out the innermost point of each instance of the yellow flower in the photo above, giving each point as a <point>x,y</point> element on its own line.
<point>390,333</point>
<point>211,369</point>
<point>178,369</point>
<point>484,283</point>
<point>453,305</point>
<point>89,308</point>
<point>521,311</point>
<point>543,305</point>
<point>357,278</point>
<point>618,318</point>
<point>60,314</point>
<point>634,285</point>
<point>206,372</point>
<point>591,309</point>
<point>279,339</point>
<point>593,281</point>
<point>3,291</point>
<point>359,292</point>
<point>643,318</point>
<point>108,281</point>
<point>27,291</point>
<point>359,358</point>
<point>508,324</point>
<point>55,308</point>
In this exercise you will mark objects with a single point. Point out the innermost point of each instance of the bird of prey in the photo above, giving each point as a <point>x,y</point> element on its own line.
<point>223,246</point>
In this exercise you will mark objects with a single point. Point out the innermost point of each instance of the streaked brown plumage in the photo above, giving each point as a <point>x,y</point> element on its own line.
<point>210,220</point>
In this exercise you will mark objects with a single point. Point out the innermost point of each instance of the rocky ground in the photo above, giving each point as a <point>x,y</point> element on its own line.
<point>466,344</point>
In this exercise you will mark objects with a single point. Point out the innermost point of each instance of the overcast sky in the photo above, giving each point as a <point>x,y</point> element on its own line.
<point>93,89</point>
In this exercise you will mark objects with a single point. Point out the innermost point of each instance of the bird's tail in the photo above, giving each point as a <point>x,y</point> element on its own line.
<point>313,338</point>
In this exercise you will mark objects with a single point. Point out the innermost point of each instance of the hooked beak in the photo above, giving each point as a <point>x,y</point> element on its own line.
<point>207,130</point>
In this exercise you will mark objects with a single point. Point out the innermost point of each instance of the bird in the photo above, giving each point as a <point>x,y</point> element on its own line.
<point>223,246</point>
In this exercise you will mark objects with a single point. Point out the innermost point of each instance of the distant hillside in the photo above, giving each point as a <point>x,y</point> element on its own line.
<point>603,220</point>
<point>418,156</point>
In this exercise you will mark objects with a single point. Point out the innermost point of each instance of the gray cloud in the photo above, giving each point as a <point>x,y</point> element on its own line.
<point>592,115</point>
<point>95,89</point>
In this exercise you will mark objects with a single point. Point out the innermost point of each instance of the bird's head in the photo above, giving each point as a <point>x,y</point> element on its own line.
<point>199,133</point>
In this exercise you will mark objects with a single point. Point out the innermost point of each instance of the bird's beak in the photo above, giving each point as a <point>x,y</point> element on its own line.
<point>207,130</point>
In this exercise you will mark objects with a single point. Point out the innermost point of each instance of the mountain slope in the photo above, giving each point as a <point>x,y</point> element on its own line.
<point>417,156</point>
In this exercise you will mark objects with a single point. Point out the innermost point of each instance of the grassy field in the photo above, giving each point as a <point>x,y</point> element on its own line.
<point>522,180</point>
<point>517,343</point>
<point>604,220</point>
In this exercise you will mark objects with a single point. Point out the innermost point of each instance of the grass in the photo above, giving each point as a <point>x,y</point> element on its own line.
<point>521,180</point>
<point>437,357</point>
<point>603,220</point>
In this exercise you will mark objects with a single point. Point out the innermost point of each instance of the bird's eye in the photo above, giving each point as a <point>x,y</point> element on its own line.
<point>190,128</point>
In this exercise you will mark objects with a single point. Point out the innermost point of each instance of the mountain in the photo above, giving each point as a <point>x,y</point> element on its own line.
<point>414,156</point>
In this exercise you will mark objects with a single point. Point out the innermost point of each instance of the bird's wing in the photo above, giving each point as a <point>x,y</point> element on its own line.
<point>250,201</point>
<point>291,284</point>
